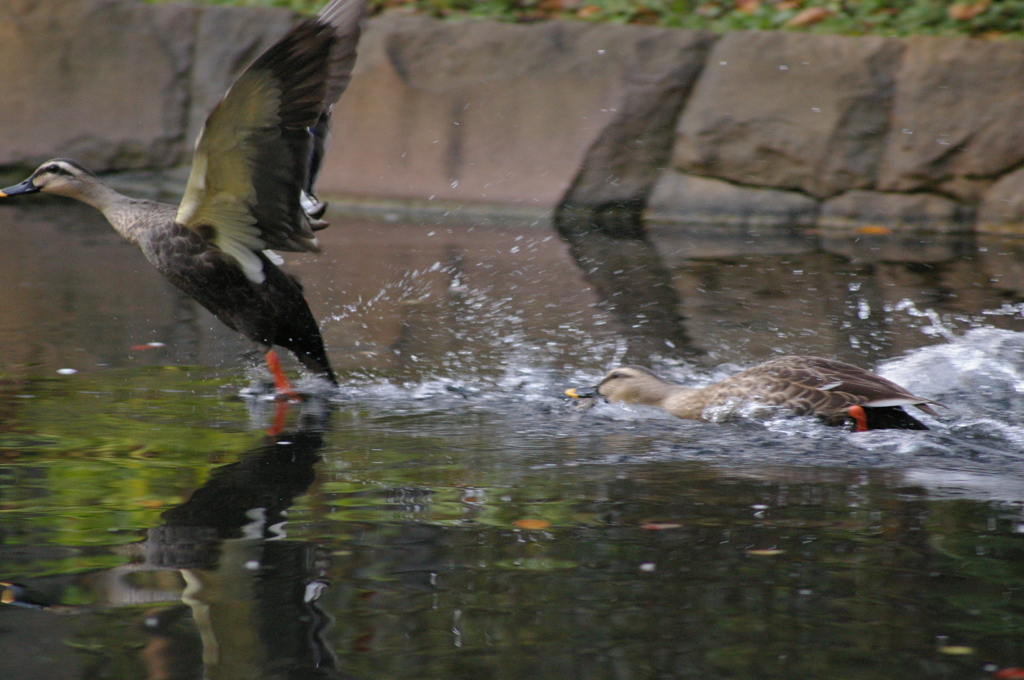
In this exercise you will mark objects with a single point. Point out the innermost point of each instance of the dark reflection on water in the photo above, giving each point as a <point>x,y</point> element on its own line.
<point>405,555</point>
<point>450,516</point>
<point>252,596</point>
<point>626,271</point>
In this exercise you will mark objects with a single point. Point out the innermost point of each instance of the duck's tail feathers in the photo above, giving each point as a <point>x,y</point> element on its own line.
<point>313,356</point>
<point>893,418</point>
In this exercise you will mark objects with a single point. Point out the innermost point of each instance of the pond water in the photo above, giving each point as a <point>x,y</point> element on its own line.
<point>449,515</point>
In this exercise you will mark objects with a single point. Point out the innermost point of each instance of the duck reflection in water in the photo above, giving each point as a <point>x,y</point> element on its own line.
<point>252,596</point>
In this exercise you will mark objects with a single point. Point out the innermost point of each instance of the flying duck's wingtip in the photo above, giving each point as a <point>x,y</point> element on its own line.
<point>341,12</point>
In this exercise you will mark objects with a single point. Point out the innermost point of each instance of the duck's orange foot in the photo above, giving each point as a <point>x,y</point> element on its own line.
<point>281,383</point>
<point>859,418</point>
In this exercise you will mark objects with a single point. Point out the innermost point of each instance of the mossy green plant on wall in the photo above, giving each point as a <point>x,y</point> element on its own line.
<point>979,18</point>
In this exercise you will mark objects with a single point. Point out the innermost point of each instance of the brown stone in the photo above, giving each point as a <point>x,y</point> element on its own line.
<point>856,209</point>
<point>101,81</point>
<point>957,116</point>
<point>687,199</point>
<point>485,112</point>
<point>1002,208</point>
<point>630,153</point>
<point>790,111</point>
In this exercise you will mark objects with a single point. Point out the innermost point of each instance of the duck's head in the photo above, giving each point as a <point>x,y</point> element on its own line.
<point>631,384</point>
<point>57,176</point>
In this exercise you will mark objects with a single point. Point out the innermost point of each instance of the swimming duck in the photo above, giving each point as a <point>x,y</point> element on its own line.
<point>834,391</point>
<point>249,190</point>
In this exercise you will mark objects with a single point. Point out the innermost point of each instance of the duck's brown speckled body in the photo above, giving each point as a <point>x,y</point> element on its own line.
<point>833,390</point>
<point>249,190</point>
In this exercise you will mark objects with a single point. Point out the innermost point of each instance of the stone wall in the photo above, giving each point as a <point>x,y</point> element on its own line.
<point>747,129</point>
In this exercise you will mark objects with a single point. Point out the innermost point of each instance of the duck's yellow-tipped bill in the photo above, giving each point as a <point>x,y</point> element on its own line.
<point>571,392</point>
<point>26,187</point>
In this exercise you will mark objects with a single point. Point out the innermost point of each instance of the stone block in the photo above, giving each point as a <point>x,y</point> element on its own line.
<point>101,81</point>
<point>895,211</point>
<point>484,112</point>
<point>633,149</point>
<point>688,199</point>
<point>958,116</point>
<point>790,111</point>
<point>1002,206</point>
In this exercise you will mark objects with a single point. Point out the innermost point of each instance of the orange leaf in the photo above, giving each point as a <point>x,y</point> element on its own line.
<point>874,230</point>
<point>532,523</point>
<point>811,15</point>
<point>1009,674</point>
<point>962,11</point>
<point>588,11</point>
<point>660,526</point>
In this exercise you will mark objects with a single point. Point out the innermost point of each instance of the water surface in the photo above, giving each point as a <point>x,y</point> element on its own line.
<point>450,515</point>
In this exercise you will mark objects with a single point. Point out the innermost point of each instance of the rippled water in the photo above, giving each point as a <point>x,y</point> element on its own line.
<point>449,514</point>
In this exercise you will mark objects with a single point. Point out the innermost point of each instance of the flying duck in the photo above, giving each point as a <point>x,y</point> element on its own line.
<point>250,190</point>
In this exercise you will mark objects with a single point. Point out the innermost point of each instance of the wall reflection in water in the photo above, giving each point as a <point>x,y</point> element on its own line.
<point>452,299</point>
<point>739,294</point>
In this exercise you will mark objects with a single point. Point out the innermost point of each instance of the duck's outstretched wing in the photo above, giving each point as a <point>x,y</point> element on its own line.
<point>344,17</point>
<point>252,159</point>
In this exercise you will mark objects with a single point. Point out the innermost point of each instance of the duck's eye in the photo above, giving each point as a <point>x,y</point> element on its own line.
<point>55,169</point>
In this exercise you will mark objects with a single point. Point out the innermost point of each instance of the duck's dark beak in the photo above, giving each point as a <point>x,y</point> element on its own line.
<point>581,393</point>
<point>25,187</point>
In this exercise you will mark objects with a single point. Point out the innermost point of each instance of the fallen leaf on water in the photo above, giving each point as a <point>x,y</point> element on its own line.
<point>766,553</point>
<point>956,650</point>
<point>660,526</point>
<point>874,230</point>
<point>811,15</point>
<point>1009,674</point>
<point>152,504</point>
<point>532,523</point>
<point>748,6</point>
<point>588,11</point>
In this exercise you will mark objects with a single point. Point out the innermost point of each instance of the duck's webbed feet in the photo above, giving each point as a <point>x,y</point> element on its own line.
<point>281,383</point>
<point>860,418</point>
